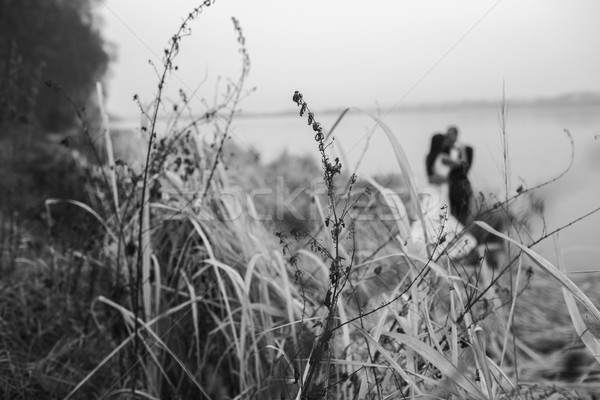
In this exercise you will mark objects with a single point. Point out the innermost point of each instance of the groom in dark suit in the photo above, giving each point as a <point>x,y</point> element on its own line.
<point>446,151</point>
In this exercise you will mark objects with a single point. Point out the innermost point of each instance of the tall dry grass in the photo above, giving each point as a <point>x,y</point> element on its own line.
<point>192,295</point>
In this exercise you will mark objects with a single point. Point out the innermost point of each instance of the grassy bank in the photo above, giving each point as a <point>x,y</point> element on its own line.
<point>192,276</point>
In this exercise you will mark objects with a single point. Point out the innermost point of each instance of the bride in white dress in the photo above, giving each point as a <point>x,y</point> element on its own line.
<point>442,227</point>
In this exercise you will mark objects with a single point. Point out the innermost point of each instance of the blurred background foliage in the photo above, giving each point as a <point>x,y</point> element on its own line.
<point>41,41</point>
<point>50,40</point>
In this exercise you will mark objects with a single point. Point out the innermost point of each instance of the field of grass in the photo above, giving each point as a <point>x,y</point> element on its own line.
<point>170,280</point>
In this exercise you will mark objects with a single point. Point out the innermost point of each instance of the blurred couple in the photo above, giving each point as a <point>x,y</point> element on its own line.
<point>448,164</point>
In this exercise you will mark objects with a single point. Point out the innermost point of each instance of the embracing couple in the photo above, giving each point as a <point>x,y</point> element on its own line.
<point>448,164</point>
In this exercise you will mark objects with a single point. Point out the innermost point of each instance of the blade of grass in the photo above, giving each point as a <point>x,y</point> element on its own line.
<point>395,204</point>
<point>287,291</point>
<point>439,361</point>
<point>390,359</point>
<point>551,270</point>
<point>511,313</point>
<point>101,364</point>
<point>586,334</point>
<point>84,207</point>
<point>125,312</point>
<point>157,285</point>
<point>195,319</point>
<point>238,285</point>
<point>405,171</point>
<point>126,392</point>
<point>109,149</point>
<point>479,348</point>
<point>146,249</point>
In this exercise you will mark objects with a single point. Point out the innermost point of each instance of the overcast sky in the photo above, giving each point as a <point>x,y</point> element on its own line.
<point>360,53</point>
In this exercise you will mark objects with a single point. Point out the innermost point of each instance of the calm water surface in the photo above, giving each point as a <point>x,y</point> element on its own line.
<point>538,150</point>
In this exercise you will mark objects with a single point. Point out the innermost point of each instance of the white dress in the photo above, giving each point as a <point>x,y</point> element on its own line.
<point>439,223</point>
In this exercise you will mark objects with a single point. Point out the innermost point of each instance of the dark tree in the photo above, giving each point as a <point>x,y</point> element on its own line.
<point>48,40</point>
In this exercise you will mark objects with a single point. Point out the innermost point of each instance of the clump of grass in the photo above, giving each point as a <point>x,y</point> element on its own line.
<point>339,268</point>
<point>440,325</point>
<point>199,282</point>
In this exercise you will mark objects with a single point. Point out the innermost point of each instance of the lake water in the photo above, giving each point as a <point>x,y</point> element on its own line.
<point>538,150</point>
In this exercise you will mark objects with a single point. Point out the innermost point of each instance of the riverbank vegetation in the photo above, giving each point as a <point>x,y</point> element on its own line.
<point>199,272</point>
